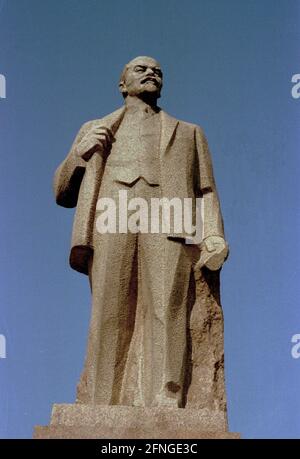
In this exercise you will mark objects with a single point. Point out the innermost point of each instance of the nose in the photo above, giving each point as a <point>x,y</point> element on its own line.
<point>149,71</point>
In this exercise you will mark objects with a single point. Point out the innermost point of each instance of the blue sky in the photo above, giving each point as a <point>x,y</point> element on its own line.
<point>227,67</point>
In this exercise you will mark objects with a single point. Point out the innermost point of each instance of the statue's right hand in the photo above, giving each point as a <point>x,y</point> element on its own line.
<point>97,139</point>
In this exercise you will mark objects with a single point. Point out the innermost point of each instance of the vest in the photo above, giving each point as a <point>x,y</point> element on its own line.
<point>136,152</point>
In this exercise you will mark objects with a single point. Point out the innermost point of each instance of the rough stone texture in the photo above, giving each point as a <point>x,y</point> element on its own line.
<point>156,331</point>
<point>205,414</point>
<point>206,339</point>
<point>114,422</point>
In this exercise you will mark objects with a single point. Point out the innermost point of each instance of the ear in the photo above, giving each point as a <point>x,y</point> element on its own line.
<point>122,88</point>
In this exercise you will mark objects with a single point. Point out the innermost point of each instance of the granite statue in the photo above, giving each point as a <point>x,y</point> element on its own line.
<point>156,330</point>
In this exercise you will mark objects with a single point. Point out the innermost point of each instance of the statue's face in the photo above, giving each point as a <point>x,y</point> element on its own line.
<point>143,75</point>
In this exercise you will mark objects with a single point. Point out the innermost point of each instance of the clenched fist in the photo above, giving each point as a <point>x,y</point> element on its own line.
<point>97,139</point>
<point>214,251</point>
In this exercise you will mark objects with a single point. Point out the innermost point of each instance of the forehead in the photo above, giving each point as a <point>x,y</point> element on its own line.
<point>144,62</point>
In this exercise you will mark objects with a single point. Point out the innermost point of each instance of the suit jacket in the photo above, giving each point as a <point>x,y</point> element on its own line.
<point>186,172</point>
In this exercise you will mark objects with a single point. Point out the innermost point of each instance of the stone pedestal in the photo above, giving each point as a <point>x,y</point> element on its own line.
<point>127,422</point>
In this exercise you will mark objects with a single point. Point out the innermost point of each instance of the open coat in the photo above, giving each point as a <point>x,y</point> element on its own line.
<point>186,172</point>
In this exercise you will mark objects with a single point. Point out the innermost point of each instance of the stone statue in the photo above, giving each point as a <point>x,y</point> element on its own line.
<point>156,330</point>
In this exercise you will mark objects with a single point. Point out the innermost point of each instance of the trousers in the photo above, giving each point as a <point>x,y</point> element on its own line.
<point>142,292</point>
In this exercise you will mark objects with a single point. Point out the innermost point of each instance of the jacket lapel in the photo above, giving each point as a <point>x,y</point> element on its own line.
<point>113,120</point>
<point>168,127</point>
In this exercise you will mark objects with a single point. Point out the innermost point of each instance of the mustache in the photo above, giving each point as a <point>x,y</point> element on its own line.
<point>151,78</point>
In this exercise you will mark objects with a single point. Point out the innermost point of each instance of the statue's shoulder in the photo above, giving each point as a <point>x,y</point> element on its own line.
<point>104,121</point>
<point>194,129</point>
<point>191,127</point>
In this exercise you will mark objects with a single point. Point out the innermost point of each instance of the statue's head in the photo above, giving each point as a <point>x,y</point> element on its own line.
<point>141,76</point>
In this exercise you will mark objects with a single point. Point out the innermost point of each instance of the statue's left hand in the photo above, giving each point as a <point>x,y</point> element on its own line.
<point>214,251</point>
